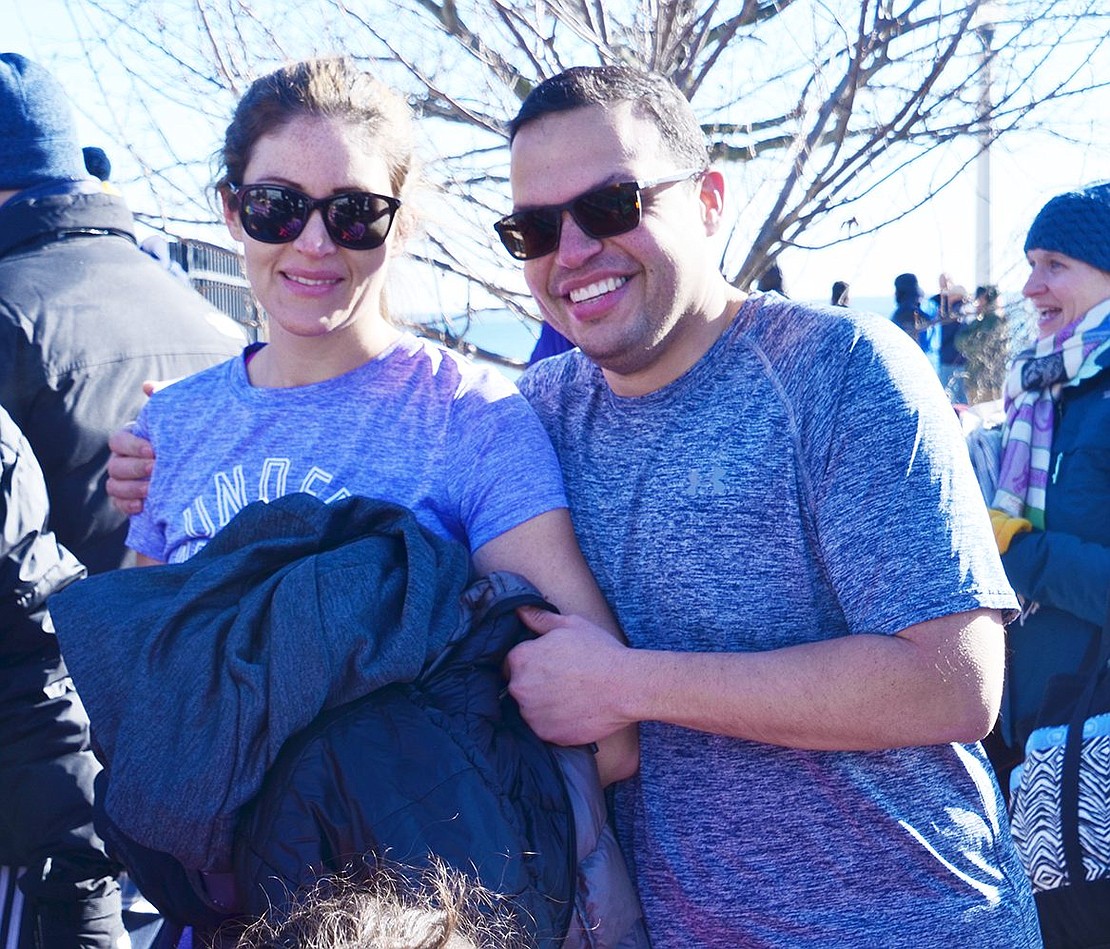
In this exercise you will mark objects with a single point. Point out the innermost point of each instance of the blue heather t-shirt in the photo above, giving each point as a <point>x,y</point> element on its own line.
<point>418,426</point>
<point>806,480</point>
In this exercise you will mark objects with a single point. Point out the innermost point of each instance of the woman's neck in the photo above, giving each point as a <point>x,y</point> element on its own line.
<point>289,361</point>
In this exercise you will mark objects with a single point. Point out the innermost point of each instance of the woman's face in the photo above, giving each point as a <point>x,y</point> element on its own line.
<point>311,286</point>
<point>1062,289</point>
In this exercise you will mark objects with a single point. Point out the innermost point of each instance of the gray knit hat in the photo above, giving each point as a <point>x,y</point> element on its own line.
<point>1076,224</point>
<point>38,137</point>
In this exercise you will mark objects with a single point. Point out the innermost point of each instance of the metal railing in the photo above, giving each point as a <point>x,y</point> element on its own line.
<point>216,273</point>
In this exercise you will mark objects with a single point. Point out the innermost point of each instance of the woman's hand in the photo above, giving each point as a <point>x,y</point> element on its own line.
<point>1006,528</point>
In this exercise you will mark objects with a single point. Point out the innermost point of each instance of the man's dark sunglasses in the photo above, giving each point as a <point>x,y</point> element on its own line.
<point>273,214</point>
<point>606,212</point>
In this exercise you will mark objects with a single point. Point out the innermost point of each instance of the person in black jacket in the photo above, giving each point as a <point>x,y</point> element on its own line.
<point>908,314</point>
<point>85,316</point>
<point>69,887</point>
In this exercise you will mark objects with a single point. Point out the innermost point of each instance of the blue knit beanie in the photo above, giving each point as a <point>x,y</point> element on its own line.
<point>38,137</point>
<point>96,162</point>
<point>1076,224</point>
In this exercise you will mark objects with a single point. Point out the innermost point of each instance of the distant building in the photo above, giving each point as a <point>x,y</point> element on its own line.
<point>217,274</point>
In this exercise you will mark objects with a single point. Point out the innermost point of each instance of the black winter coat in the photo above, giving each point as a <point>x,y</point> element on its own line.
<point>440,766</point>
<point>68,891</point>
<point>85,318</point>
<point>297,607</point>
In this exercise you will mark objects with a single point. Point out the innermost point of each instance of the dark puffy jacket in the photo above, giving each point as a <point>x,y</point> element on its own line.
<point>69,892</point>
<point>85,318</point>
<point>1065,568</point>
<point>442,766</point>
<point>294,609</point>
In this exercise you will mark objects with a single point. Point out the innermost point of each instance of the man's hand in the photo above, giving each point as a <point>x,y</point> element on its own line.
<point>129,471</point>
<point>934,682</point>
<point>565,680</point>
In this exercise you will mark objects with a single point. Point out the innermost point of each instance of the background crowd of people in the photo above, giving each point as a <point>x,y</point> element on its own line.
<point>967,338</point>
<point>723,552</point>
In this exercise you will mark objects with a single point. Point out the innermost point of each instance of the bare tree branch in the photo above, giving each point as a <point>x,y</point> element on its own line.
<point>828,105</point>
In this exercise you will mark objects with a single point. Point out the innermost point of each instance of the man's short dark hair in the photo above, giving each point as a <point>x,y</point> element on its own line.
<point>653,95</point>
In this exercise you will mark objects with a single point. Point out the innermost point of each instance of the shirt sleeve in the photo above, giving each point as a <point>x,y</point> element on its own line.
<point>507,472</point>
<point>903,529</point>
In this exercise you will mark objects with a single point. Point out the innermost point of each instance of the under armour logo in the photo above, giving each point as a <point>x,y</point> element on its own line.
<point>711,481</point>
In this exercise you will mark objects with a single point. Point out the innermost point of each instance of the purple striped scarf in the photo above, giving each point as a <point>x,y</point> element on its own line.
<point>1033,385</point>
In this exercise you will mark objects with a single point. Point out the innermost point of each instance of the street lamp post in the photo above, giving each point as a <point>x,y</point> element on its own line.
<point>985,17</point>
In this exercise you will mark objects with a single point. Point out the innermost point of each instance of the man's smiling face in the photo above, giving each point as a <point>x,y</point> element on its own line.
<point>620,299</point>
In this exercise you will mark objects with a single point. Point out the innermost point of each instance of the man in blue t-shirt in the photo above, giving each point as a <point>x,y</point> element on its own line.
<point>778,504</point>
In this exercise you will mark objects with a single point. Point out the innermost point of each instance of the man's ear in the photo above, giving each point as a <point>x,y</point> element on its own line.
<point>230,204</point>
<point>712,194</point>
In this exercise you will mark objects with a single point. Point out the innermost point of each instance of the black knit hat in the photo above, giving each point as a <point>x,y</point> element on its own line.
<point>907,289</point>
<point>96,162</point>
<point>1075,224</point>
<point>38,138</point>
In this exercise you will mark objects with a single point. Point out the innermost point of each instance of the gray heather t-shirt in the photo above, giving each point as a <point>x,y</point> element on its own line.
<point>805,480</point>
<point>418,426</point>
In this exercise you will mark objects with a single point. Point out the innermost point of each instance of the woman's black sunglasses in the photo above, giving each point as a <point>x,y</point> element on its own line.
<point>606,212</point>
<point>273,214</point>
